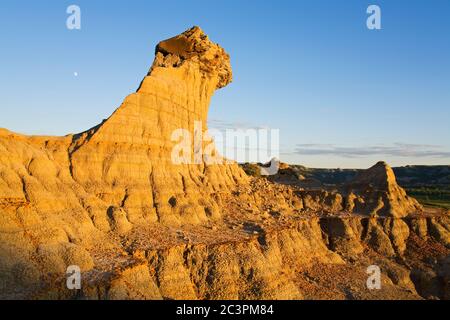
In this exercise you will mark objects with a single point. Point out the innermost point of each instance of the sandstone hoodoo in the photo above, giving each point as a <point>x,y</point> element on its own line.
<point>139,225</point>
<point>130,154</point>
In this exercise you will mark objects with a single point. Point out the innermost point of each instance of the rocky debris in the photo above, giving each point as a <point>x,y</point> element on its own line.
<point>280,264</point>
<point>112,201</point>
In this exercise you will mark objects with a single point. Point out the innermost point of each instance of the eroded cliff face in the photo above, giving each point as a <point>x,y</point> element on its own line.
<point>112,201</point>
<point>128,158</point>
<point>373,192</point>
<point>376,192</point>
<point>314,258</point>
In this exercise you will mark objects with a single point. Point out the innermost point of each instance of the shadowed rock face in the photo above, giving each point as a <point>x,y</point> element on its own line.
<point>112,201</point>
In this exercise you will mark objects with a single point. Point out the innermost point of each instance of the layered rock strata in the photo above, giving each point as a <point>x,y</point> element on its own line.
<point>113,201</point>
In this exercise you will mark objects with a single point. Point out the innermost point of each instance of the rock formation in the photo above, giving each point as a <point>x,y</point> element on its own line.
<point>130,154</point>
<point>372,192</point>
<point>112,201</point>
<point>376,192</point>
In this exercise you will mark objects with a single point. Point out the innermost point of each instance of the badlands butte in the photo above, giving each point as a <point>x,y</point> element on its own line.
<point>111,201</point>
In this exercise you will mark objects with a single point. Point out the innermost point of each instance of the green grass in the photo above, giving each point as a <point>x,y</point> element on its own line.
<point>251,169</point>
<point>432,196</point>
<point>430,201</point>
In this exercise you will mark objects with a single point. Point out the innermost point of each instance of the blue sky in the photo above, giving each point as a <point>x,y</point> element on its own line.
<point>341,95</point>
